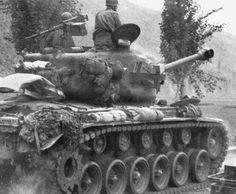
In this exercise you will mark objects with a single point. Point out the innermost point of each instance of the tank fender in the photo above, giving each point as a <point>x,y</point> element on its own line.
<point>32,85</point>
<point>46,126</point>
<point>51,142</point>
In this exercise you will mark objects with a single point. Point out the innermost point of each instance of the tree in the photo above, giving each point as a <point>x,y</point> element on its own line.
<point>183,32</point>
<point>7,50</point>
<point>32,16</point>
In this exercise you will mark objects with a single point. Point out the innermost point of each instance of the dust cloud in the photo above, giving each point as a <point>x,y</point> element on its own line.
<point>34,183</point>
<point>27,185</point>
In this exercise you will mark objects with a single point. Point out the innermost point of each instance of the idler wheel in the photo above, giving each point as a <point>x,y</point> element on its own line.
<point>123,141</point>
<point>91,179</point>
<point>99,144</point>
<point>139,175</point>
<point>114,177</point>
<point>160,171</point>
<point>185,136</point>
<point>179,168</point>
<point>199,165</point>
<point>212,142</point>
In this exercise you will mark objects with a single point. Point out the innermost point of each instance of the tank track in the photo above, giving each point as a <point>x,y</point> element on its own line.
<point>200,129</point>
<point>188,188</point>
<point>146,126</point>
<point>215,164</point>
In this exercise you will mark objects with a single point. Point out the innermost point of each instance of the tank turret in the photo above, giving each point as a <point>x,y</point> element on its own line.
<point>105,76</point>
<point>98,76</point>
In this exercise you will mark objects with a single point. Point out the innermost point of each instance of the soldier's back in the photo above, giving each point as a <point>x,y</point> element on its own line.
<point>57,39</point>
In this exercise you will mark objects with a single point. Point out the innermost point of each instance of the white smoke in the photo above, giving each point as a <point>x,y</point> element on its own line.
<point>23,188</point>
<point>39,182</point>
<point>28,184</point>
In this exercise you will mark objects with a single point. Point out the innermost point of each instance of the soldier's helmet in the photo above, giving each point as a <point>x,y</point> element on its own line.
<point>66,16</point>
<point>111,2</point>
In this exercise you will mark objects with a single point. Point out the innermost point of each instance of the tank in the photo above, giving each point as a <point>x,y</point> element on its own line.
<point>85,121</point>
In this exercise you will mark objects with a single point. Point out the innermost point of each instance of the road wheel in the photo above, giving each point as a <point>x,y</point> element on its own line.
<point>199,165</point>
<point>179,168</point>
<point>139,174</point>
<point>91,179</point>
<point>160,171</point>
<point>114,177</point>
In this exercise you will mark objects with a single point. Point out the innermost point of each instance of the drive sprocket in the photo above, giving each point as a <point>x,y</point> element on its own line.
<point>69,169</point>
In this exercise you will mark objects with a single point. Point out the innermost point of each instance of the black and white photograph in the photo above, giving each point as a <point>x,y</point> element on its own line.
<point>117,97</point>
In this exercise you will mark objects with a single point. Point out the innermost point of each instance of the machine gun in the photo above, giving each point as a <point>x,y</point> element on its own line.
<point>75,28</point>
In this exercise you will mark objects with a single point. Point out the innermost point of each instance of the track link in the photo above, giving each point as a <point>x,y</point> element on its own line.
<point>188,188</point>
<point>91,133</point>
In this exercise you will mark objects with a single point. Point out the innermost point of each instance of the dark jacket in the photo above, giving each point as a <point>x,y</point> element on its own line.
<point>106,22</point>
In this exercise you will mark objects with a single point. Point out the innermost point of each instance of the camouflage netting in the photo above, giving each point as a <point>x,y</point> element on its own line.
<point>49,123</point>
<point>92,79</point>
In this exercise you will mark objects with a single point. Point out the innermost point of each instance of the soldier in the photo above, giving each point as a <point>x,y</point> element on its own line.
<point>58,38</point>
<point>106,22</point>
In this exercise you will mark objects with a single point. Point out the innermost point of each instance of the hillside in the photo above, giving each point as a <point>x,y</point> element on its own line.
<point>224,44</point>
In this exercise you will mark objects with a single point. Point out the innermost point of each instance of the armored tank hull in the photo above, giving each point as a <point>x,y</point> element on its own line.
<point>120,140</point>
<point>79,148</point>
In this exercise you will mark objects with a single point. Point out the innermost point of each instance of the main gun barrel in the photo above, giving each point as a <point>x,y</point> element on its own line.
<point>204,54</point>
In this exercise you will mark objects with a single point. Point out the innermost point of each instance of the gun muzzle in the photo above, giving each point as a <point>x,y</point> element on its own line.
<point>206,53</point>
